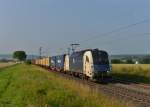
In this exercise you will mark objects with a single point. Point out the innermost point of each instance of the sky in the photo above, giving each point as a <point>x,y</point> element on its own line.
<point>55,24</point>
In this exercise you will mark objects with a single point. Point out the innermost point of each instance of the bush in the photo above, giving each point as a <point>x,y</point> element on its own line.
<point>116,61</point>
<point>28,62</point>
<point>146,61</point>
<point>130,61</point>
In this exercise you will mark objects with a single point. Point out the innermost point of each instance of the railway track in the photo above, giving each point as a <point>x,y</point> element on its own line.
<point>140,99</point>
<point>145,86</point>
<point>139,86</point>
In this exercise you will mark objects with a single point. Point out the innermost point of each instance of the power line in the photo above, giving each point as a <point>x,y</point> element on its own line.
<point>116,30</point>
<point>110,32</point>
<point>118,39</point>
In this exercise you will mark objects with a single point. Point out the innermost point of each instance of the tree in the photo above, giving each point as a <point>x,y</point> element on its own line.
<point>146,61</point>
<point>130,61</point>
<point>20,55</point>
<point>116,61</point>
<point>28,62</point>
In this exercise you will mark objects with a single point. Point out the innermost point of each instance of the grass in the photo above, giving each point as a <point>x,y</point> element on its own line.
<point>135,72</point>
<point>31,86</point>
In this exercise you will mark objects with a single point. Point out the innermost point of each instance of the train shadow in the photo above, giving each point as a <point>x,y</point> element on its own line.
<point>130,79</point>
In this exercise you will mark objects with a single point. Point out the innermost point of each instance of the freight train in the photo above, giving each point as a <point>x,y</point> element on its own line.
<point>93,64</point>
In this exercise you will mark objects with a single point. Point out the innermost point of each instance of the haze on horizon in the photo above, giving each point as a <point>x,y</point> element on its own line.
<point>54,24</point>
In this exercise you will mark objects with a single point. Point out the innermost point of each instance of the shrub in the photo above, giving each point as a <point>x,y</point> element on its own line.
<point>116,61</point>
<point>28,62</point>
<point>146,61</point>
<point>130,61</point>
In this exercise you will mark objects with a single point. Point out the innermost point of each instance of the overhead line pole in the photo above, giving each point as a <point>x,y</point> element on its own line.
<point>40,52</point>
<point>73,47</point>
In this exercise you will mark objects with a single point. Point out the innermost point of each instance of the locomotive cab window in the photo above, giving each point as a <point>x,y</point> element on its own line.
<point>100,57</point>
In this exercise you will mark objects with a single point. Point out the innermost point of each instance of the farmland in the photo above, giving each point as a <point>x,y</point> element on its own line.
<point>6,64</point>
<point>30,86</point>
<point>135,72</point>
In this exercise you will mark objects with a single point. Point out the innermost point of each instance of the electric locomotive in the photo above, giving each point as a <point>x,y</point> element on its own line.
<point>90,63</point>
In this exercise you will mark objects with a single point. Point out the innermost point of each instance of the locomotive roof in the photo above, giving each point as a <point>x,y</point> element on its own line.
<point>59,55</point>
<point>82,51</point>
<point>79,52</point>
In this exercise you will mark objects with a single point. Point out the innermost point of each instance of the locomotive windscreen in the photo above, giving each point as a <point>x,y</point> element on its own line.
<point>100,57</point>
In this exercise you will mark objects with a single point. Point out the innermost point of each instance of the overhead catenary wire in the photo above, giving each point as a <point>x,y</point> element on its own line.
<point>126,38</point>
<point>115,30</point>
<point>111,32</point>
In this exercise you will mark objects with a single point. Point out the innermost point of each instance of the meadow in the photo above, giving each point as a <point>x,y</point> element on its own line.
<point>31,86</point>
<point>134,72</point>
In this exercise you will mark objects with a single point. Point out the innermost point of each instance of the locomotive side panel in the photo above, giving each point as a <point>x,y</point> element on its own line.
<point>66,63</point>
<point>88,64</point>
<point>76,62</point>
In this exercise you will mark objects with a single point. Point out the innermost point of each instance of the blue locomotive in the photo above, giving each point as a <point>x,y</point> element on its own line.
<point>57,62</point>
<point>91,63</point>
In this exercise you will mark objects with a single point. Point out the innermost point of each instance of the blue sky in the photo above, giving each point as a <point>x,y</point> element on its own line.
<point>54,24</point>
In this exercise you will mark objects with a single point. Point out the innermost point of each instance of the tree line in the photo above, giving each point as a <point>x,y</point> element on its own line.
<point>145,60</point>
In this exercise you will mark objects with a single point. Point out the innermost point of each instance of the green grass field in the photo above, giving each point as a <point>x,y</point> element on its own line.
<point>31,86</point>
<point>135,72</point>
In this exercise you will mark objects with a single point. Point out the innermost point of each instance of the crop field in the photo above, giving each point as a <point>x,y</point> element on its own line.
<point>2,64</point>
<point>135,72</point>
<point>31,86</point>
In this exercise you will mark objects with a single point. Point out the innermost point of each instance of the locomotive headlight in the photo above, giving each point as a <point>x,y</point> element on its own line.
<point>108,71</point>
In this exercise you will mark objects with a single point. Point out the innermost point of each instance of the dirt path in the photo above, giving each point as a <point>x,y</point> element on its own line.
<point>3,65</point>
